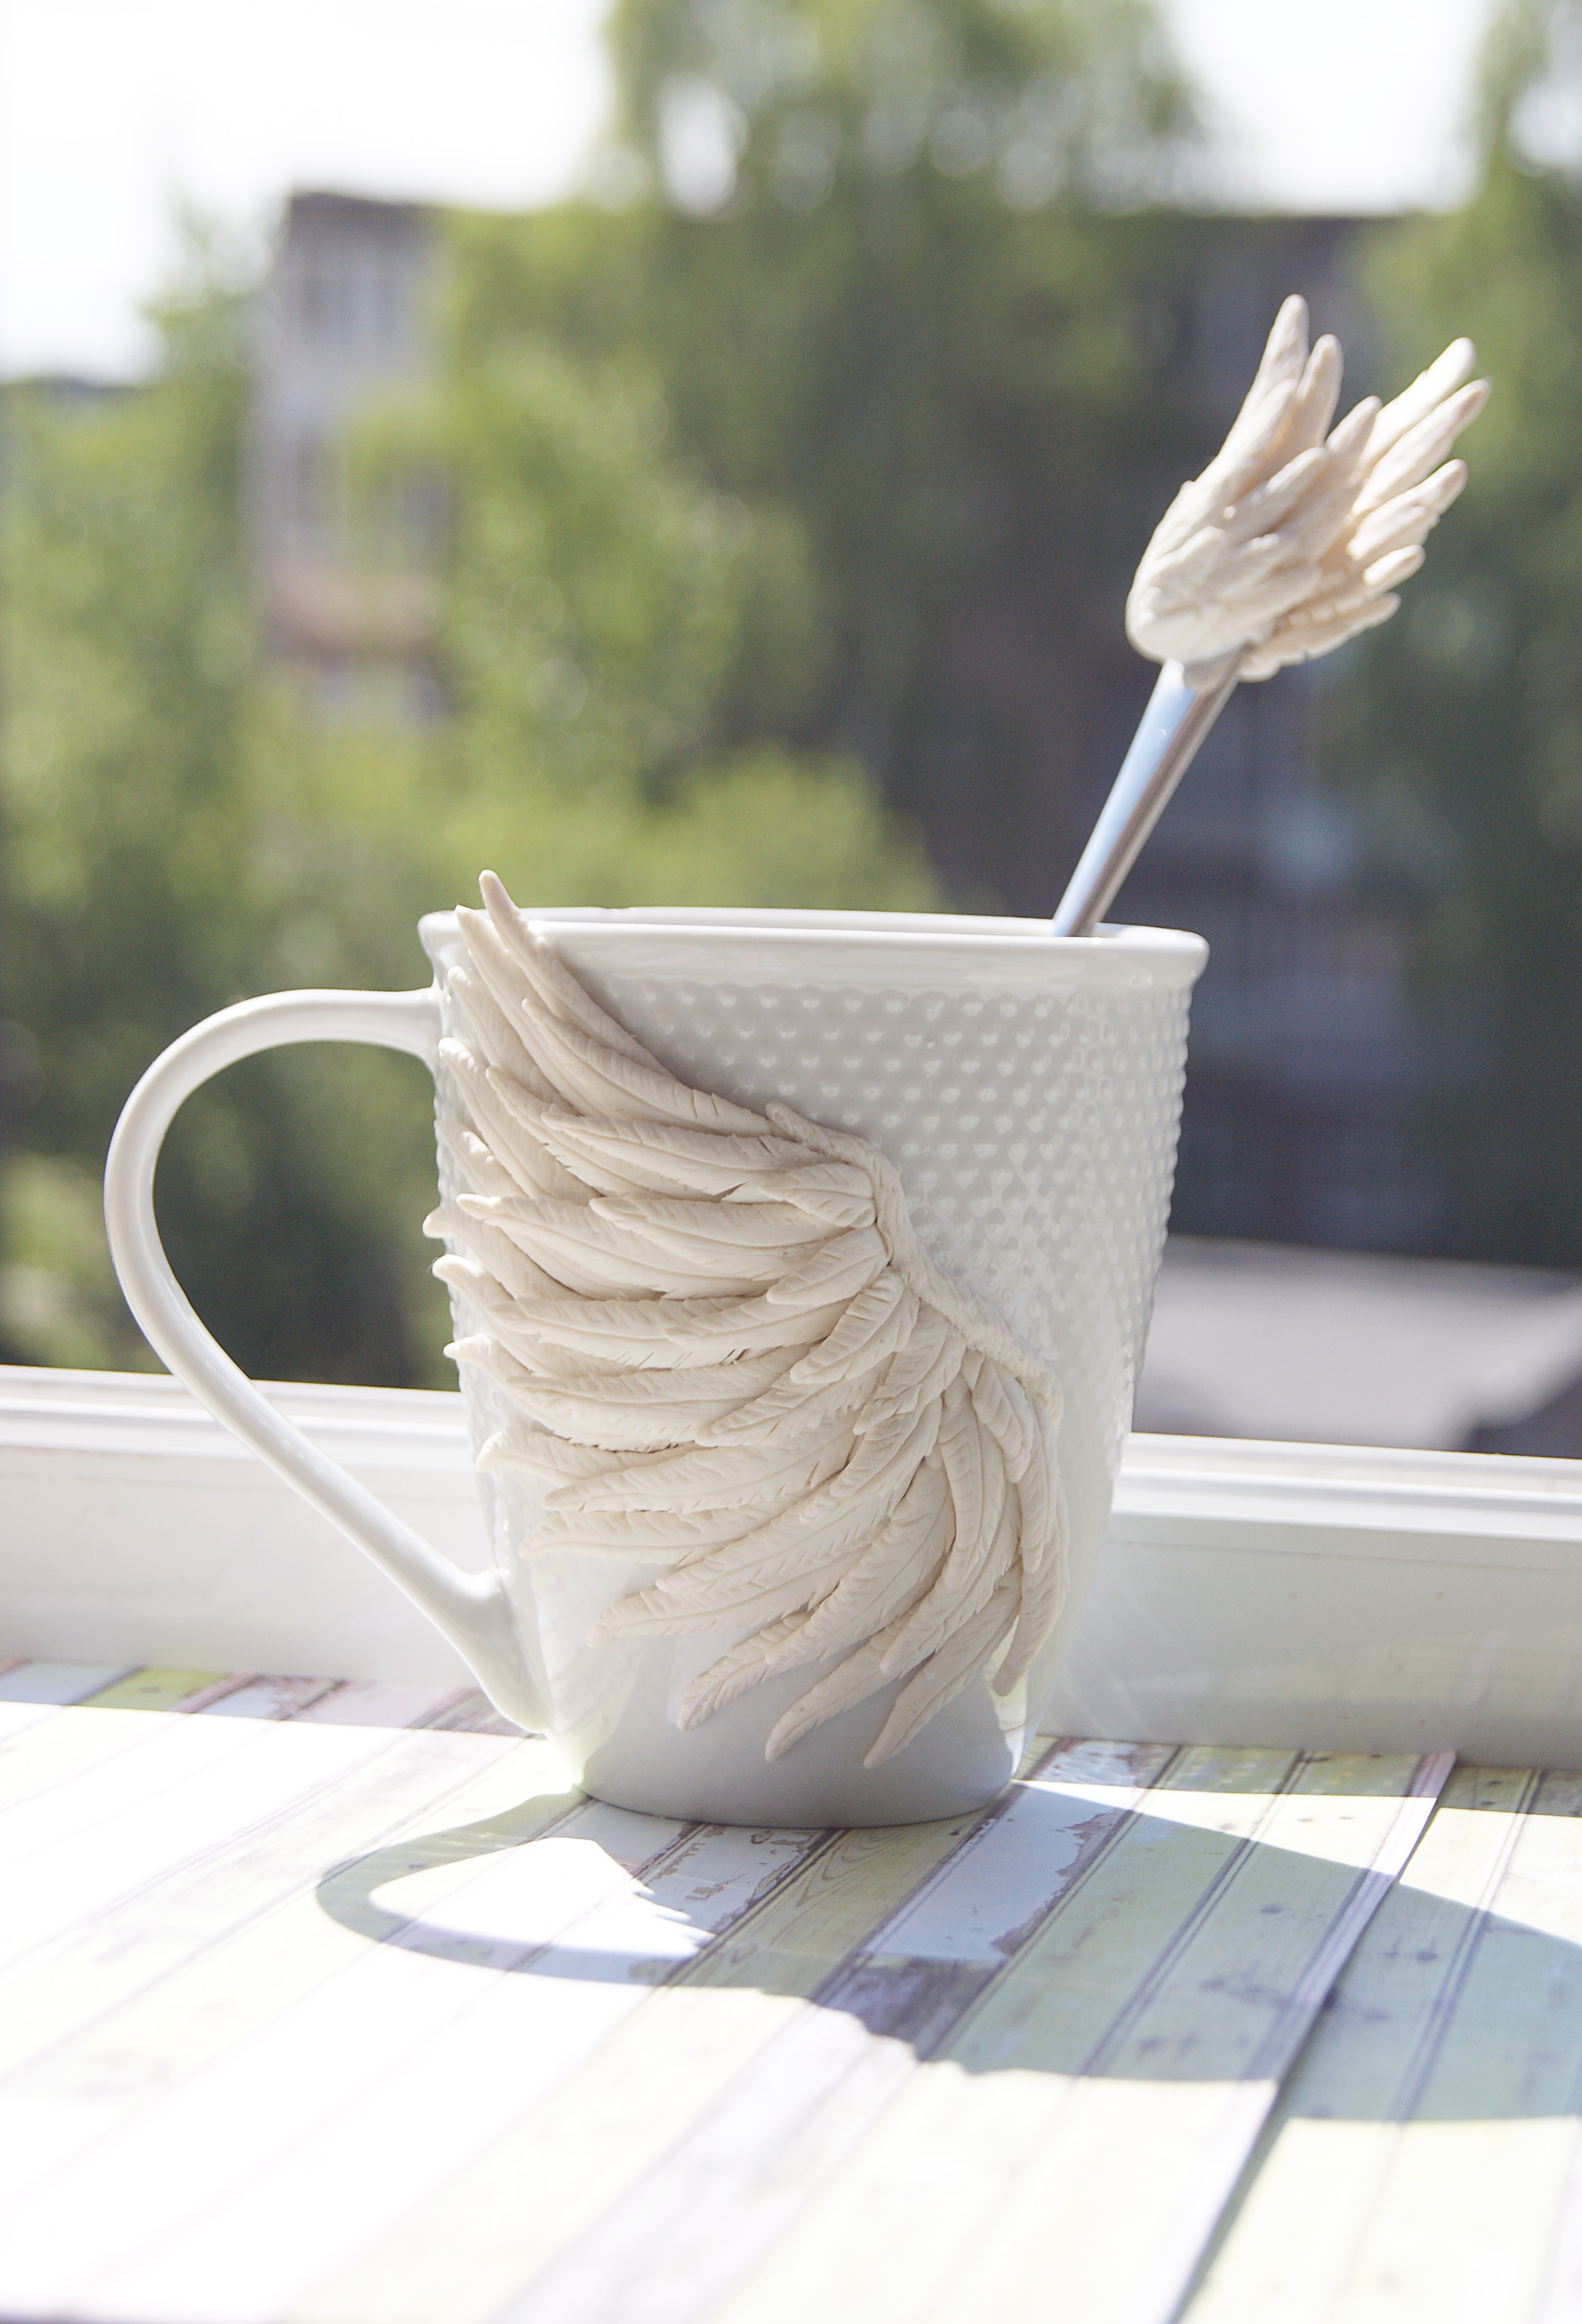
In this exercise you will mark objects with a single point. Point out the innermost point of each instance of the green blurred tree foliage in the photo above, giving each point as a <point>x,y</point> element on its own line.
<point>145,886</point>
<point>903,285</point>
<point>865,312</point>
<point>1471,700</point>
<point>178,833</point>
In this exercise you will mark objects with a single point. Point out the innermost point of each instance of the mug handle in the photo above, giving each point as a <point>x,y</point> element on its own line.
<point>472,1610</point>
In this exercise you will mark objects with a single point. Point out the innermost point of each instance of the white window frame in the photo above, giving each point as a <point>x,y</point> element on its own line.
<point>1349,1598</point>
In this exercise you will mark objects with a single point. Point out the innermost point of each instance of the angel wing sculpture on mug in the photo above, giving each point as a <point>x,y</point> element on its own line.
<point>801,1261</point>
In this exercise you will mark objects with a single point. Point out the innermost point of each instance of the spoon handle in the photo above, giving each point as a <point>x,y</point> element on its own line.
<point>1163,747</point>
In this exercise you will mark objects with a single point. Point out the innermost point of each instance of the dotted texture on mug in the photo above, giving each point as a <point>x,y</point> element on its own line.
<point>1034,1135</point>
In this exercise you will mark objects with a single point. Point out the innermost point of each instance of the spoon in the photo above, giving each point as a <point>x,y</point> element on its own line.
<point>1290,542</point>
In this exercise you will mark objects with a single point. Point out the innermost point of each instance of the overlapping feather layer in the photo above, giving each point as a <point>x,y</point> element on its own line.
<point>735,1364</point>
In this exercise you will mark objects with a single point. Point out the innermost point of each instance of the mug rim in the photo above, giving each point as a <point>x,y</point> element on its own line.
<point>606,936</point>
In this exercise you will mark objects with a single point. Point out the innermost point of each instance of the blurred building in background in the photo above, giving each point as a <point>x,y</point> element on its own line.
<point>348,596</point>
<point>1314,1059</point>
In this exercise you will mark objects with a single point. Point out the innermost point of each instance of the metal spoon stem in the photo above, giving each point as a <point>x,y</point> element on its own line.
<point>1177,718</point>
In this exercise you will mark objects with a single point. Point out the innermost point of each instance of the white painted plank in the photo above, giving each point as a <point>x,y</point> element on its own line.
<point>1559,2298</point>
<point>59,1682</point>
<point>1020,1856</point>
<point>197,1787</point>
<point>118,2067</point>
<point>505,2060</point>
<point>801,2119</point>
<point>112,1720</point>
<point>105,1793</point>
<point>363,1702</point>
<point>38,1748</point>
<point>270,1698</point>
<point>220,1916</point>
<point>17,1718</point>
<point>41,1745</point>
<point>473,1713</point>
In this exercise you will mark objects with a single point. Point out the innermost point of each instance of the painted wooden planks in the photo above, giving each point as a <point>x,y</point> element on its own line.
<point>801,2105</point>
<point>423,2043</point>
<point>363,1702</point>
<point>498,2226</point>
<point>346,1788</point>
<point>413,2050</point>
<point>981,2081</point>
<point>1173,2078</point>
<point>810,2084</point>
<point>473,1713</point>
<point>38,1746</point>
<point>57,1684</point>
<point>141,1993</point>
<point>153,1689</point>
<point>239,1695</point>
<point>1424,2163</point>
<point>31,1695</point>
<point>105,1834</point>
<point>220,1915</point>
<point>365,1787</point>
<point>270,1698</point>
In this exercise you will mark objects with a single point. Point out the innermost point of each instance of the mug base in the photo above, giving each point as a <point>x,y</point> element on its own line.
<point>830,1814</point>
<point>957,1765</point>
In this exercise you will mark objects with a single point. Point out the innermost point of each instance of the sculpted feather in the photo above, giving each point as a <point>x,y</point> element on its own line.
<point>735,1365</point>
<point>1294,539</point>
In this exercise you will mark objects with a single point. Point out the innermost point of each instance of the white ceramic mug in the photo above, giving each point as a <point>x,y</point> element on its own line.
<point>1026,1088</point>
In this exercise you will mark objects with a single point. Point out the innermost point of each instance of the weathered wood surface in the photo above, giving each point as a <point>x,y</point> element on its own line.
<point>1432,2127</point>
<point>321,2004</point>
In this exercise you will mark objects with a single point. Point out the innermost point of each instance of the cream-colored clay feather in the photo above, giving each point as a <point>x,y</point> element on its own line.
<point>946,1672</point>
<point>1295,536</point>
<point>736,1367</point>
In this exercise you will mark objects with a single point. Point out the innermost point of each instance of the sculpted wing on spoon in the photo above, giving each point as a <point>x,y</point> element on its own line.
<point>1293,540</point>
<point>736,1366</point>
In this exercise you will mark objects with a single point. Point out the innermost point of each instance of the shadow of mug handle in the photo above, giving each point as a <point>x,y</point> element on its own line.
<point>472,1610</point>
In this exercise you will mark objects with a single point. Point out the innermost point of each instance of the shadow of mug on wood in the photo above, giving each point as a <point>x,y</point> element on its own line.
<point>1026,1089</point>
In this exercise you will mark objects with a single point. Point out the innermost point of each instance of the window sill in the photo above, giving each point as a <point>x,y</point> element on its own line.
<point>1309,1596</point>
